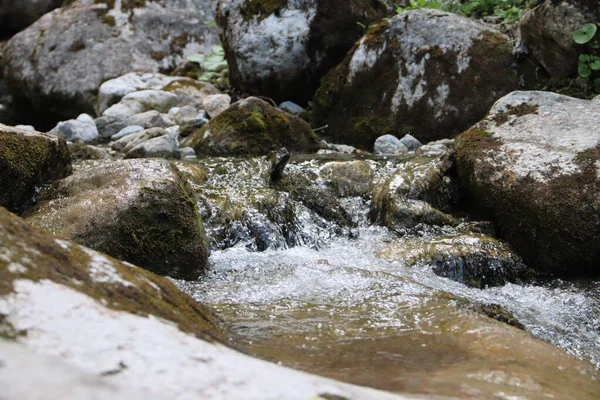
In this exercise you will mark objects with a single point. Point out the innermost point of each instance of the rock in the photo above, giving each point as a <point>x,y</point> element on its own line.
<point>27,160</point>
<point>139,211</point>
<point>475,260</point>
<point>189,119</point>
<point>389,145</point>
<point>532,166</point>
<point>291,107</point>
<point>215,104</point>
<point>26,128</point>
<point>115,313</point>
<point>58,63</point>
<point>109,126</point>
<point>165,146</point>
<point>278,161</point>
<point>126,143</point>
<point>128,130</point>
<point>112,91</point>
<point>150,119</point>
<point>6,101</point>
<point>411,143</point>
<point>82,152</point>
<point>349,179</point>
<point>424,72</point>
<point>187,153</point>
<point>191,91</point>
<point>282,50</point>
<point>142,101</point>
<point>16,15</point>
<point>418,191</point>
<point>252,127</point>
<point>547,33</point>
<point>83,129</point>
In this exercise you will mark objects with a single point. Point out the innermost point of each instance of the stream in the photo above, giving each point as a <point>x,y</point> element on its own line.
<point>335,306</point>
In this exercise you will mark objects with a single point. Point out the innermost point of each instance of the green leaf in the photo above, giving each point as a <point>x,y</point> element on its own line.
<point>585,33</point>
<point>595,65</point>
<point>584,71</point>
<point>197,58</point>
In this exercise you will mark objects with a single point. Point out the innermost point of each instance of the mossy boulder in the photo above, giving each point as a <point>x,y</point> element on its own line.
<point>282,49</point>
<point>474,259</point>
<point>533,167</point>
<point>252,127</point>
<point>425,72</point>
<point>141,211</point>
<point>29,253</point>
<point>420,190</point>
<point>27,160</point>
<point>350,178</point>
<point>55,67</point>
<point>547,33</point>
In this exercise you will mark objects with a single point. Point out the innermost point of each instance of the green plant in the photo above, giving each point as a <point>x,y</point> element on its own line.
<point>589,60</point>
<point>508,10</point>
<point>214,65</point>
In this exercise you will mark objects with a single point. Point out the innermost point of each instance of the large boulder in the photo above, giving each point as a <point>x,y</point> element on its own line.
<point>252,127</point>
<point>104,328</point>
<point>533,166</point>
<point>141,211</point>
<point>57,64</point>
<point>27,160</point>
<point>547,33</point>
<point>282,49</point>
<point>424,72</point>
<point>16,15</point>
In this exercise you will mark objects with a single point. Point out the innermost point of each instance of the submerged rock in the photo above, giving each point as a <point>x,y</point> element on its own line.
<point>58,63</point>
<point>252,127</point>
<point>476,260</point>
<point>282,49</point>
<point>27,160</point>
<point>532,166</point>
<point>423,72</point>
<point>141,211</point>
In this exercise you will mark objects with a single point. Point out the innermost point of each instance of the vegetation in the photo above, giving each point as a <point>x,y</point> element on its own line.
<point>589,59</point>
<point>508,10</point>
<point>214,66</point>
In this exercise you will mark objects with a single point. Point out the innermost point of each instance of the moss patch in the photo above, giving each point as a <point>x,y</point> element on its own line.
<point>150,294</point>
<point>522,109</point>
<point>260,9</point>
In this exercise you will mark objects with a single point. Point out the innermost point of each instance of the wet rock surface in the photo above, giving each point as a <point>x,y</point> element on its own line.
<point>532,166</point>
<point>139,211</point>
<point>423,72</point>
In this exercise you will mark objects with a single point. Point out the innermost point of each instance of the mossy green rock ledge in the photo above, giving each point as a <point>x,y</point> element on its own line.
<point>533,167</point>
<point>141,211</point>
<point>425,72</point>
<point>27,160</point>
<point>252,127</point>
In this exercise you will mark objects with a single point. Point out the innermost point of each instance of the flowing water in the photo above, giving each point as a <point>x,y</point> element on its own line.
<point>339,309</point>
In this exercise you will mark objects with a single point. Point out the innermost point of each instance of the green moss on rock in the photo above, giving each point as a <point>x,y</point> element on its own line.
<point>27,160</point>
<point>260,9</point>
<point>252,127</point>
<point>32,254</point>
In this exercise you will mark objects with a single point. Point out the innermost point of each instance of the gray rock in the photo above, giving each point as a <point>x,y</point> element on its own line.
<point>426,72</point>
<point>187,153</point>
<point>547,33</point>
<point>187,114</point>
<point>532,165</point>
<point>83,129</point>
<point>59,63</point>
<point>128,142</point>
<point>109,126</point>
<point>215,104</point>
<point>128,130</point>
<point>291,107</point>
<point>25,127</point>
<point>16,15</point>
<point>142,101</point>
<point>139,211</point>
<point>282,51</point>
<point>165,146</point>
<point>82,152</point>
<point>389,144</point>
<point>150,119</point>
<point>29,159</point>
<point>411,143</point>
